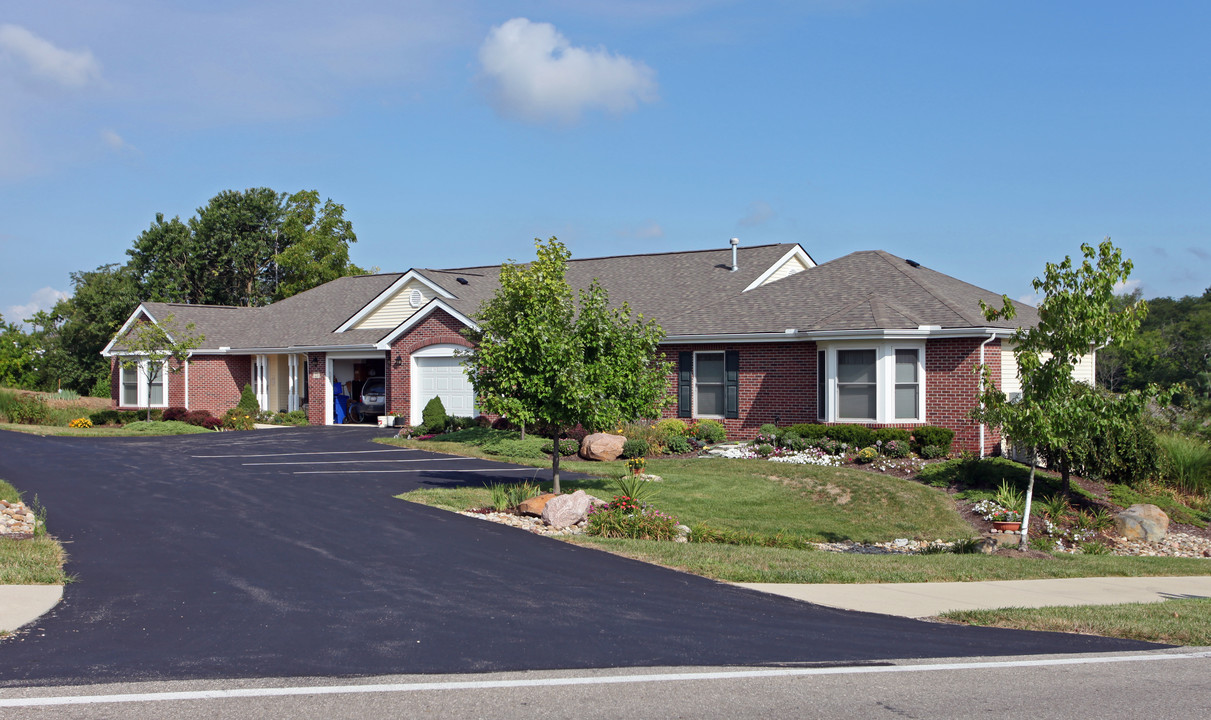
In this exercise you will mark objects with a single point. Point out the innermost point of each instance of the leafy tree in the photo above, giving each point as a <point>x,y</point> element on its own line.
<point>156,348</point>
<point>1078,313</point>
<point>317,243</point>
<point>18,356</point>
<point>537,360</point>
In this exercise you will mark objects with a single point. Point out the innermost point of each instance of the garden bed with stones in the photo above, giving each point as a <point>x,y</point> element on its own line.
<point>16,520</point>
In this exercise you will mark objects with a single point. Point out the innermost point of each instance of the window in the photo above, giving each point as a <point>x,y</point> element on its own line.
<point>708,385</point>
<point>873,383</point>
<point>857,385</point>
<point>140,391</point>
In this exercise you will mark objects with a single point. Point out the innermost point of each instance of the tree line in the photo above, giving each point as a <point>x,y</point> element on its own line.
<point>1172,348</point>
<point>245,248</point>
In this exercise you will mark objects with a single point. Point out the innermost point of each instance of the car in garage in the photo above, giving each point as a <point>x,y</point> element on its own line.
<point>371,401</point>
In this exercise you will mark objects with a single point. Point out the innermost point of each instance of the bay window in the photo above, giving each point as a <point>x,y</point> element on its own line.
<point>874,382</point>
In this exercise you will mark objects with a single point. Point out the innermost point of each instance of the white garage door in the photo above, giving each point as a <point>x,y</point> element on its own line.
<point>444,377</point>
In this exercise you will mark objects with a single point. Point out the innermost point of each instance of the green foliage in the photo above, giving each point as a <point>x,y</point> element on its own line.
<point>566,447</point>
<point>506,496</point>
<point>155,427</point>
<point>18,357</point>
<point>1094,548</point>
<point>537,358</point>
<point>896,449</point>
<point>1010,498</point>
<point>1169,350</point>
<point>636,448</point>
<point>158,347</point>
<point>23,408</point>
<point>926,435</point>
<point>248,403</point>
<point>866,455</point>
<point>710,431</point>
<point>237,419</point>
<point>966,546</point>
<point>624,517</point>
<point>1187,463</point>
<point>765,449</point>
<point>636,488</point>
<point>677,445</point>
<point>768,429</point>
<point>886,435</point>
<point>531,447</point>
<point>670,427</point>
<point>433,416</point>
<point>932,452</point>
<point>101,388</point>
<point>1165,498</point>
<point>1055,507</point>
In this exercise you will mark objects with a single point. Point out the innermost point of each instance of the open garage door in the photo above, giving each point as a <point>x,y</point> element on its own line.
<point>442,376</point>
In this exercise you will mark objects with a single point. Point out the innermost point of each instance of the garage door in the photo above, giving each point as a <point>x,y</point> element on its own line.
<point>444,377</point>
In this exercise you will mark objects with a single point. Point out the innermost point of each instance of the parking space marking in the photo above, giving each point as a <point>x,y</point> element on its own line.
<point>320,452</point>
<point>353,462</point>
<point>356,472</point>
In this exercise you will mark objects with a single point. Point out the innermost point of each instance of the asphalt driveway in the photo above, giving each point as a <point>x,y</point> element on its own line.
<point>283,553</point>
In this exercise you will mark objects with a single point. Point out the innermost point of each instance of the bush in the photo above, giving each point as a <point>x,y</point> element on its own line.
<point>677,445</point>
<point>636,448</point>
<point>626,518</point>
<point>672,427</point>
<point>895,448</point>
<point>710,431</point>
<point>531,447</point>
<point>248,402</point>
<point>932,452</point>
<point>829,446</point>
<point>175,413</point>
<point>237,419</point>
<point>503,424</point>
<point>24,409</point>
<point>926,435</point>
<point>101,388</point>
<point>886,435</point>
<point>867,454</point>
<point>457,423</point>
<point>578,433</point>
<point>785,437</point>
<point>768,429</point>
<point>566,447</point>
<point>795,443</point>
<point>483,421</point>
<point>854,435</point>
<point>1187,463</point>
<point>809,431</point>
<point>434,416</point>
<point>765,449</point>
<point>81,423</point>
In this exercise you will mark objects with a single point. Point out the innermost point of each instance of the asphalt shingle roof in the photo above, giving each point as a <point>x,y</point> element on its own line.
<point>688,293</point>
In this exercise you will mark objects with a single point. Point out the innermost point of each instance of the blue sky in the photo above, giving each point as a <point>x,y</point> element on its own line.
<point>981,139</point>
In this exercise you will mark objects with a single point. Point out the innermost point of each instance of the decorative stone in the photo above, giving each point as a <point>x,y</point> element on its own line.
<point>602,446</point>
<point>683,534</point>
<point>534,505</point>
<point>989,545</point>
<point>565,510</point>
<point>1142,522</point>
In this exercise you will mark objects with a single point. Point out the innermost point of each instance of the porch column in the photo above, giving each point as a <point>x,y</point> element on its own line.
<point>292,385</point>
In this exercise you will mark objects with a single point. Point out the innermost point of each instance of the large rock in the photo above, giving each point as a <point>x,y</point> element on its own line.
<point>534,506</point>
<point>566,510</point>
<point>1142,522</point>
<point>602,446</point>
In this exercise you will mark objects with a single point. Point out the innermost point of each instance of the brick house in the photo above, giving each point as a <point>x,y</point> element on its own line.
<point>756,335</point>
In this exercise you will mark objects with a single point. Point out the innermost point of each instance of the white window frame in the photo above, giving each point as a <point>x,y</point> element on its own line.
<point>694,386</point>
<point>885,380</point>
<point>144,389</point>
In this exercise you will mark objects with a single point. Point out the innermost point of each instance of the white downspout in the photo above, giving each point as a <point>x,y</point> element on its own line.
<point>991,337</point>
<point>187,356</point>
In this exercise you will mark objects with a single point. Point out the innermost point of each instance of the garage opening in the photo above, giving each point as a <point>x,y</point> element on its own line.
<point>356,377</point>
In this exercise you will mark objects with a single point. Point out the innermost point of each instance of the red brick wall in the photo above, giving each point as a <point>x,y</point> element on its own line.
<point>439,328</point>
<point>951,384</point>
<point>317,364</point>
<point>777,383</point>
<point>176,385</point>
<point>215,382</point>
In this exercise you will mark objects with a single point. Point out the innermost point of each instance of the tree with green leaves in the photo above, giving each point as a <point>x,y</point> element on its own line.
<point>158,347</point>
<point>18,356</point>
<point>1078,313</point>
<point>538,360</point>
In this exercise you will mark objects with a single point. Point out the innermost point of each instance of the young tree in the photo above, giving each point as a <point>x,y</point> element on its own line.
<point>537,360</point>
<point>18,356</point>
<point>1078,313</point>
<point>156,348</point>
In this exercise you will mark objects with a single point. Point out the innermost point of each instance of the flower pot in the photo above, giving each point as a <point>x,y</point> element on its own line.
<point>1006,526</point>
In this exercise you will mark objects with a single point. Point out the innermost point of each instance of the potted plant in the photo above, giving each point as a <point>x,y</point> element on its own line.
<point>1006,520</point>
<point>636,465</point>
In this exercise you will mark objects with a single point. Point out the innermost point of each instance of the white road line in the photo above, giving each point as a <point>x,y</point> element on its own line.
<point>352,462</point>
<point>325,452</point>
<point>356,472</point>
<point>570,681</point>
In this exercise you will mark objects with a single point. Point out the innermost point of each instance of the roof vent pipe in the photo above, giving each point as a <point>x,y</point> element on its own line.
<point>735,242</point>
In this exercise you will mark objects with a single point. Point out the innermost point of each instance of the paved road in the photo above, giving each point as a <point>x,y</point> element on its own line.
<point>284,554</point>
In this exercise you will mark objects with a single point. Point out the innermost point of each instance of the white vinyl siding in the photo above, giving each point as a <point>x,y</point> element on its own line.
<point>398,309</point>
<point>1011,383</point>
<point>790,267</point>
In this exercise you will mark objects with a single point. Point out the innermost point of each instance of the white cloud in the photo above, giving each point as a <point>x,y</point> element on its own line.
<point>116,141</point>
<point>536,75</point>
<point>1032,299</point>
<point>46,61</point>
<point>648,231</point>
<point>759,213</point>
<point>1126,287</point>
<point>43,299</point>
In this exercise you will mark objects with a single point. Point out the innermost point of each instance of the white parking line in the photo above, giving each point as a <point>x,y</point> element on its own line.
<point>569,681</point>
<point>323,452</point>
<point>357,472</point>
<point>353,462</point>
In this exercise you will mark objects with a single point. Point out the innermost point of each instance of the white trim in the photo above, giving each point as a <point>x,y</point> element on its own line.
<point>141,310</point>
<point>142,384</point>
<point>796,251</point>
<point>885,380</point>
<point>416,317</point>
<point>694,386</point>
<point>389,293</point>
<point>920,333</point>
<point>186,363</point>
<point>328,396</point>
<point>438,350</point>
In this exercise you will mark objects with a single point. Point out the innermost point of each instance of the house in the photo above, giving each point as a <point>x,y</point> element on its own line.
<point>756,335</point>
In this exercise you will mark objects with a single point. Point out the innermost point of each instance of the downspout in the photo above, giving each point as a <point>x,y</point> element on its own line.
<point>991,337</point>
<point>187,356</point>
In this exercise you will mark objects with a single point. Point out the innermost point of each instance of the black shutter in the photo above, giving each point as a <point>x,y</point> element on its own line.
<point>685,384</point>
<point>731,384</point>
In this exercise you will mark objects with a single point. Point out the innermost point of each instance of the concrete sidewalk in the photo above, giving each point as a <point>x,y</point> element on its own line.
<point>918,600</point>
<point>23,604</point>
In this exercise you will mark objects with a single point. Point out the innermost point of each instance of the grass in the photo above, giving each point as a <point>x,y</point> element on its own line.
<point>37,561</point>
<point>1176,622</point>
<point>1189,463</point>
<point>137,429</point>
<point>1168,499</point>
<point>734,563</point>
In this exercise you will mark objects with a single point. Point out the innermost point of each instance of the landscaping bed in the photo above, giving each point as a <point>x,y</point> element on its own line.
<point>28,556</point>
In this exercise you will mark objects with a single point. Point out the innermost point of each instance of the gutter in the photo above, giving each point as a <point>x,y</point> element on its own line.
<point>924,332</point>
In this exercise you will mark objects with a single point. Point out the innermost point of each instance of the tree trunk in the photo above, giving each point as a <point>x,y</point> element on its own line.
<point>1066,472</point>
<point>555,464</point>
<point>1025,544</point>
<point>523,431</point>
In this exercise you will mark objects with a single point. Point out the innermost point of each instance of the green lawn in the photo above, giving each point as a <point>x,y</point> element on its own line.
<point>135,429</point>
<point>1176,622</point>
<point>29,562</point>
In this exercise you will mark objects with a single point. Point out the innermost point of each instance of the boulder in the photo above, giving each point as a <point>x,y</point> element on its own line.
<point>1142,522</point>
<point>535,505</point>
<point>602,446</point>
<point>566,510</point>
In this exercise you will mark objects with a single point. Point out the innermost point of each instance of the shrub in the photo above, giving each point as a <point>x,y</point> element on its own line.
<point>483,421</point>
<point>932,452</point>
<point>248,402</point>
<point>854,435</point>
<point>672,427</point>
<point>636,448</point>
<point>456,423</point>
<point>81,423</point>
<point>795,443</point>
<point>710,431</point>
<point>785,437</point>
<point>624,517</point>
<point>886,435</point>
<point>104,417</point>
<point>765,449</point>
<point>677,445</point>
<point>896,448</point>
<point>531,447</point>
<point>503,424</point>
<point>1055,507</point>
<point>926,435</point>
<point>175,413</point>
<point>237,419</point>
<point>578,433</point>
<point>101,388</point>
<point>566,447</point>
<point>768,429</point>
<point>434,415</point>
<point>193,417</point>
<point>211,423</point>
<point>809,431</point>
<point>510,495</point>
<point>829,446</point>
<point>1187,463</point>
<point>867,454</point>
<point>28,410</point>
